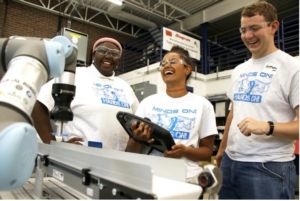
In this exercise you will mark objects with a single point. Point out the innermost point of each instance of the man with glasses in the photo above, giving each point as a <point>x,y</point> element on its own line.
<point>264,118</point>
<point>188,117</point>
<point>99,96</point>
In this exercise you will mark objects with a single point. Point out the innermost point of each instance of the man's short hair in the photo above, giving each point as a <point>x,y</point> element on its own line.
<point>261,8</point>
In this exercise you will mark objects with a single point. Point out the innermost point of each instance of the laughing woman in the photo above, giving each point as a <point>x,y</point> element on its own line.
<point>99,96</point>
<point>189,118</point>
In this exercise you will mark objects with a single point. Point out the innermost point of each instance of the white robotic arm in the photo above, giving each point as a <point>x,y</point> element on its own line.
<point>27,64</point>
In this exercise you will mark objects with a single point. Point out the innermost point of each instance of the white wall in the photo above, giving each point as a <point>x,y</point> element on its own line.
<point>205,85</point>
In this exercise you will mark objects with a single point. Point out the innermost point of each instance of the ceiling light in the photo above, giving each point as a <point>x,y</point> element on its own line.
<point>117,2</point>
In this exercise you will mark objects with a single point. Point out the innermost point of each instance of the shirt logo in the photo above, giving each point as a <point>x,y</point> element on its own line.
<point>271,67</point>
<point>252,86</point>
<point>178,125</point>
<point>111,96</point>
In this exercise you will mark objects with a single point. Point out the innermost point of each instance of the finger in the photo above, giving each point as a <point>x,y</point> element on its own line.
<point>78,139</point>
<point>134,124</point>
<point>243,128</point>
<point>137,129</point>
<point>168,154</point>
<point>178,146</point>
<point>147,131</point>
<point>173,155</point>
<point>73,139</point>
<point>247,133</point>
<point>141,127</point>
<point>242,124</point>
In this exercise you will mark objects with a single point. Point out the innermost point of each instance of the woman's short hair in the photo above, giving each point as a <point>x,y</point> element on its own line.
<point>184,54</point>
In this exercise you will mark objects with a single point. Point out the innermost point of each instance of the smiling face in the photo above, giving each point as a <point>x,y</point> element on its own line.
<point>174,69</point>
<point>258,35</point>
<point>106,58</point>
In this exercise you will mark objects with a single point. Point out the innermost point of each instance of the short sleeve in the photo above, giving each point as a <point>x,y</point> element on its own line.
<point>45,96</point>
<point>294,91</point>
<point>208,121</point>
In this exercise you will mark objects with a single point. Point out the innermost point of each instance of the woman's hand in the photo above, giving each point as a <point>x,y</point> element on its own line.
<point>142,131</point>
<point>178,151</point>
<point>75,140</point>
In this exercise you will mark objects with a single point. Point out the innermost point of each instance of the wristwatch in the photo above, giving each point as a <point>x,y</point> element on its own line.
<point>271,125</point>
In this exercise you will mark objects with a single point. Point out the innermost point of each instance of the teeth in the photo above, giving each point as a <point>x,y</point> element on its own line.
<point>252,42</point>
<point>168,72</point>
<point>107,62</point>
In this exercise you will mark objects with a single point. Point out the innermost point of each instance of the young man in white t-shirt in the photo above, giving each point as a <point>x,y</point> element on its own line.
<point>264,118</point>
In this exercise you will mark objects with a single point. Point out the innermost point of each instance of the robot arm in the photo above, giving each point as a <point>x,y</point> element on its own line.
<point>28,62</point>
<point>63,90</point>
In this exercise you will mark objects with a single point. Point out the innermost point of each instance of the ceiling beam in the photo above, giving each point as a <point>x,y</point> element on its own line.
<point>212,13</point>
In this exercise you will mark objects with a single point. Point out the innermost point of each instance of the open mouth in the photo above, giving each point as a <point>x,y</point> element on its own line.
<point>107,63</point>
<point>252,43</point>
<point>168,72</point>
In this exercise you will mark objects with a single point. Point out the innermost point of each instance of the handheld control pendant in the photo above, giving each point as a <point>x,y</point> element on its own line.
<point>163,140</point>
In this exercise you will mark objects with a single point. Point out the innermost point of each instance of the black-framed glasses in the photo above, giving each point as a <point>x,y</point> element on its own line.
<point>116,54</point>
<point>253,28</point>
<point>165,62</point>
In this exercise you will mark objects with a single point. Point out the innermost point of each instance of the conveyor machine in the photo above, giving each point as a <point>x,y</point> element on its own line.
<point>109,174</point>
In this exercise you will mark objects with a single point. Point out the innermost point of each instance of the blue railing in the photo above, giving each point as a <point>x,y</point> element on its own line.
<point>225,52</point>
<point>290,34</point>
<point>228,50</point>
<point>142,51</point>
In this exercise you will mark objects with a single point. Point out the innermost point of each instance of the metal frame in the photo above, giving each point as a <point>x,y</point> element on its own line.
<point>159,8</point>
<point>80,10</point>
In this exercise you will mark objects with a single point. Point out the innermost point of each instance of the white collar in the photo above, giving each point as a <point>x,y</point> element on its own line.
<point>100,75</point>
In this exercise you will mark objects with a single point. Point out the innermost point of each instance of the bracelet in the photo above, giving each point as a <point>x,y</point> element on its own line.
<point>271,125</point>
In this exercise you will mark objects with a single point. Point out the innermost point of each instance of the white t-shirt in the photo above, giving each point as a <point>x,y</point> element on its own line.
<point>266,89</point>
<point>188,119</point>
<point>97,100</point>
